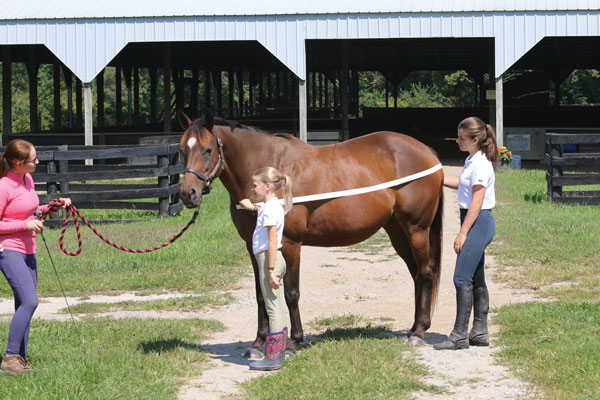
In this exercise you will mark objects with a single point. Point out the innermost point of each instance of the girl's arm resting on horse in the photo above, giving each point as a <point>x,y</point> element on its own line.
<point>247,204</point>
<point>471,217</point>
<point>451,182</point>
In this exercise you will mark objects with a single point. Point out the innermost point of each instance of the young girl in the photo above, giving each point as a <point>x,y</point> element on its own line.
<point>18,228</point>
<point>266,241</point>
<point>476,198</point>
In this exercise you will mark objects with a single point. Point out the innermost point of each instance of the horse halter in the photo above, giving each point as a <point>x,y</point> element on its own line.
<point>208,179</point>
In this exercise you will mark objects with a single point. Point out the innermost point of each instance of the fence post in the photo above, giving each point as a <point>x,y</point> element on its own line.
<point>51,187</point>
<point>555,170</point>
<point>163,182</point>
<point>174,179</point>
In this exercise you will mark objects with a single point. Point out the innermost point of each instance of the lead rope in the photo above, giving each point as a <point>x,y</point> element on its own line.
<point>56,204</point>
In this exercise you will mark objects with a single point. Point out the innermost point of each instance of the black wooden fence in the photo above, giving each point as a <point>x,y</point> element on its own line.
<point>62,173</point>
<point>580,154</point>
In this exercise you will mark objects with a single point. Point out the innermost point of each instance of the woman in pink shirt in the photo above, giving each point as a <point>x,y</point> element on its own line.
<point>18,228</point>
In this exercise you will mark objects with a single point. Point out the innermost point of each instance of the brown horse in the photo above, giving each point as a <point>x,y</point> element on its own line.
<point>410,213</point>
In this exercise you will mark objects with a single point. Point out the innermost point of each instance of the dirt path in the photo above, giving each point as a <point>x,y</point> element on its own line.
<point>337,282</point>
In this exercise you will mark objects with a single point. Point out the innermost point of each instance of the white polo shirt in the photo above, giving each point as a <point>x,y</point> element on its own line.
<point>270,214</point>
<point>478,170</point>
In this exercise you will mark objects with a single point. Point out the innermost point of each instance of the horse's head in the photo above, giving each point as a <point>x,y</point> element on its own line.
<point>202,151</point>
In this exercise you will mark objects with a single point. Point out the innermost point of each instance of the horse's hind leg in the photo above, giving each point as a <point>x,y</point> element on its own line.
<point>291,283</point>
<point>402,246</point>
<point>255,350</point>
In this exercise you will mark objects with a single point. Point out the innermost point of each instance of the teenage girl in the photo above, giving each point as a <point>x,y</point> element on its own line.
<point>18,229</point>
<point>476,198</point>
<point>266,242</point>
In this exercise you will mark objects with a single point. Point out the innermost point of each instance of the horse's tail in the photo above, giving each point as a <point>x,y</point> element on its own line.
<point>435,249</point>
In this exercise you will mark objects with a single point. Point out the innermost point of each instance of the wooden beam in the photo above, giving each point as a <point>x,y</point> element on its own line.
<point>302,111</point>
<point>100,98</point>
<point>344,89</point>
<point>499,112</point>
<point>6,95</point>
<point>240,84</point>
<point>89,122</point>
<point>119,96</point>
<point>167,88</point>
<point>153,82</point>
<point>136,95</point>
<point>32,70</point>
<point>78,102</point>
<point>56,89</point>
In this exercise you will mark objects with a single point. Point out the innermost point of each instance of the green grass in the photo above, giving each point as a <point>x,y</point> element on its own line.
<point>350,363</point>
<point>540,244</point>
<point>125,359</point>
<point>554,345</point>
<point>209,256</point>
<point>552,249</point>
<point>184,304</point>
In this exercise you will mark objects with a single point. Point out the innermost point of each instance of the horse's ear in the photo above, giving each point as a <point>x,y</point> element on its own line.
<point>209,120</point>
<point>184,120</point>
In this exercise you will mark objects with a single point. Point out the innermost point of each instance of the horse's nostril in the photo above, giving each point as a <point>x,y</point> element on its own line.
<point>192,192</point>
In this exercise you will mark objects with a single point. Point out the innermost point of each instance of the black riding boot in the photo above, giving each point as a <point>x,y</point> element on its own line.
<point>481,304</point>
<point>458,338</point>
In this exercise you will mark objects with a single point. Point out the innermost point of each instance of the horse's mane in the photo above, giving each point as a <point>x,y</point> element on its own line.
<point>198,124</point>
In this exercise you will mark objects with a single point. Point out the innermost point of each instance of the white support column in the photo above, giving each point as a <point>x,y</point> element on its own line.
<point>499,113</point>
<point>302,113</point>
<point>88,117</point>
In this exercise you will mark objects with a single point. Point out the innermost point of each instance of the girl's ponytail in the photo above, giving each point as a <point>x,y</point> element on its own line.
<point>287,193</point>
<point>489,145</point>
<point>3,166</point>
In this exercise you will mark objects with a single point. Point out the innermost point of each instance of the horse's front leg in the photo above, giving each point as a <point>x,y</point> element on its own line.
<point>291,283</point>
<point>255,351</point>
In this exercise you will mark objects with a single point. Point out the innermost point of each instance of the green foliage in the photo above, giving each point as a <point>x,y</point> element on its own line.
<point>582,86</point>
<point>554,345</point>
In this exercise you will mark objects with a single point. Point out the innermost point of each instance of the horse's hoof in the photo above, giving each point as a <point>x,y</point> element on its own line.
<point>415,341</point>
<point>253,354</point>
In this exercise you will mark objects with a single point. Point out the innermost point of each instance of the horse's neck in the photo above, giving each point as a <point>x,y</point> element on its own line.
<point>244,153</point>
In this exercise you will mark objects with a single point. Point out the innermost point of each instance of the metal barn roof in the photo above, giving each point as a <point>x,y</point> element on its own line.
<point>76,9</point>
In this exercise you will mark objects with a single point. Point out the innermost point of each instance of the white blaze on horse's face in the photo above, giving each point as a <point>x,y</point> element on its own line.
<point>191,142</point>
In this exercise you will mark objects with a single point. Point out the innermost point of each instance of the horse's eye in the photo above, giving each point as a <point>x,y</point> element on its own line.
<point>208,150</point>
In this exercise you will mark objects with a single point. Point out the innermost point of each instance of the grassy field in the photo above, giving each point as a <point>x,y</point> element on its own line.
<point>209,256</point>
<point>124,359</point>
<point>553,250</point>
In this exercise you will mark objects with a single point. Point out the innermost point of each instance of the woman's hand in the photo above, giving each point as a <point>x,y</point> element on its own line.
<point>66,202</point>
<point>35,225</point>
<point>459,242</point>
<point>272,280</point>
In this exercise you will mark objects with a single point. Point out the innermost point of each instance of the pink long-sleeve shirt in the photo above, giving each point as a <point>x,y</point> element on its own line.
<point>18,203</point>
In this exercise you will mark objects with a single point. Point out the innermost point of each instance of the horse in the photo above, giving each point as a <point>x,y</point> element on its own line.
<point>410,213</point>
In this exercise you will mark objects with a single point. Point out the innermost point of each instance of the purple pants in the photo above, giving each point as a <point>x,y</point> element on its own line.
<point>20,271</point>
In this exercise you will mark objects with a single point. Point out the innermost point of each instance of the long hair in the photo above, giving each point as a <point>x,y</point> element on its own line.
<point>474,127</point>
<point>17,150</point>
<point>279,181</point>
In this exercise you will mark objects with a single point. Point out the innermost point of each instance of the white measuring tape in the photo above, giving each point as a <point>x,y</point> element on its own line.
<point>368,189</point>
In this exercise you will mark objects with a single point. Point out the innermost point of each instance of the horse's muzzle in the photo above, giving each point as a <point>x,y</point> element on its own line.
<point>190,197</point>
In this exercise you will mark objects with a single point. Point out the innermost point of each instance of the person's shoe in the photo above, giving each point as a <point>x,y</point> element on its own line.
<point>458,339</point>
<point>12,365</point>
<point>481,303</point>
<point>27,366</point>
<point>274,355</point>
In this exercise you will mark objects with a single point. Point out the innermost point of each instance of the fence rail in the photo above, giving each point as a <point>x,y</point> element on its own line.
<point>573,150</point>
<point>62,173</point>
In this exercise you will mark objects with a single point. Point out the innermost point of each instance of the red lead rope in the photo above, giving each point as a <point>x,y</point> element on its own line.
<point>56,204</point>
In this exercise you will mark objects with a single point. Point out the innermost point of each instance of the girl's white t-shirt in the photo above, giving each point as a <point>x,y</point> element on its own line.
<point>270,214</point>
<point>478,170</point>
